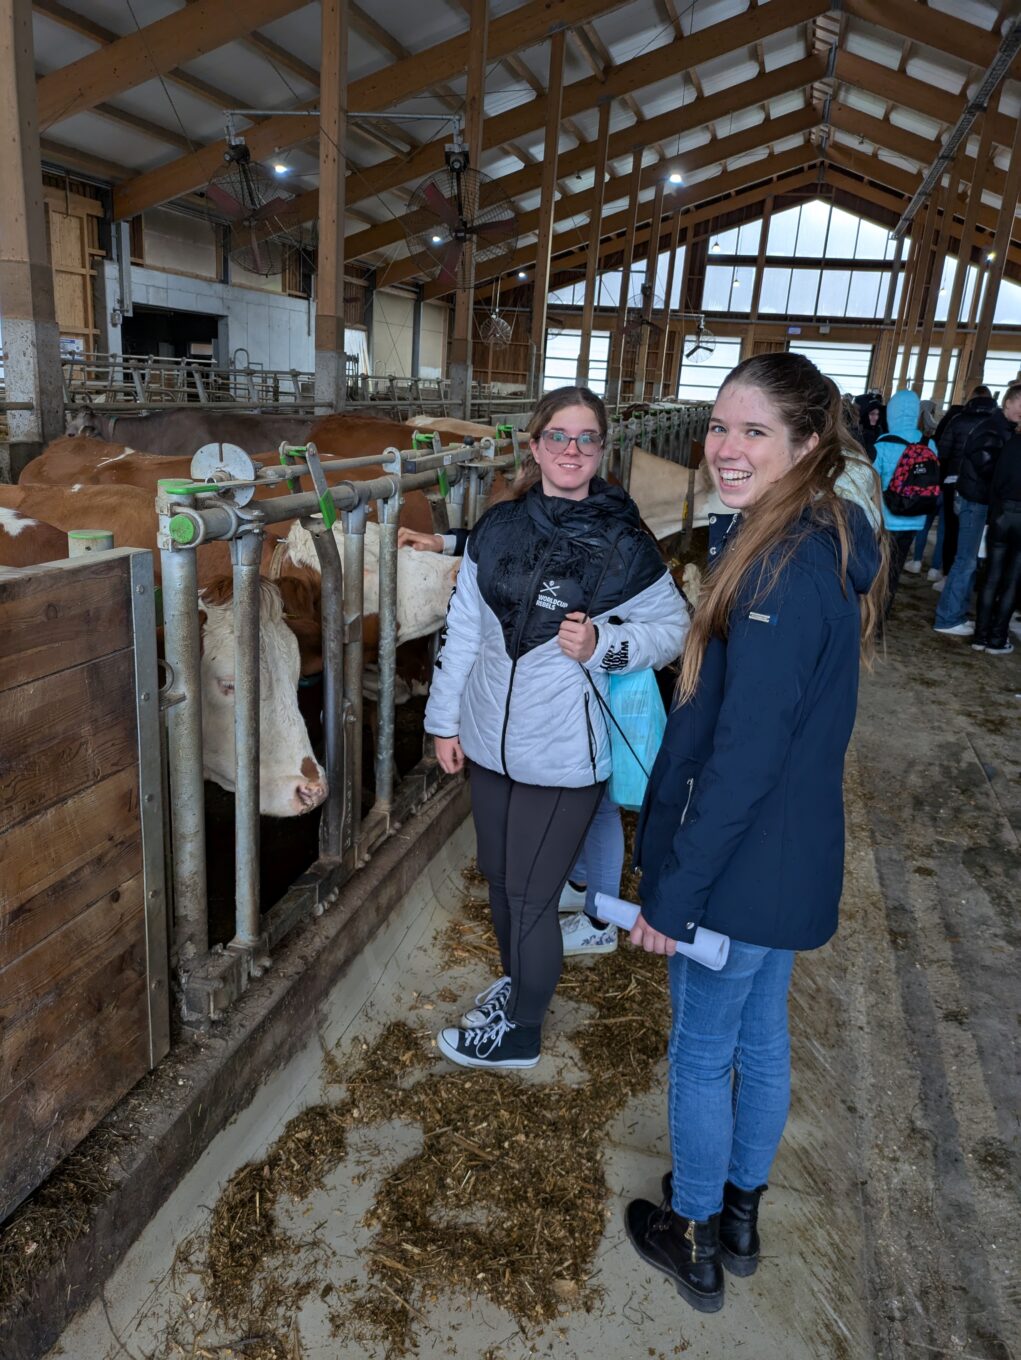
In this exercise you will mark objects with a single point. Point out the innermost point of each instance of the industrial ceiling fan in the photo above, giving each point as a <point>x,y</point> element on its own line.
<point>704,343</point>
<point>264,220</point>
<point>453,211</point>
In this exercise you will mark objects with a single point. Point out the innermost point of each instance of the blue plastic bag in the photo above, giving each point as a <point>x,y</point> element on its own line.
<point>637,714</point>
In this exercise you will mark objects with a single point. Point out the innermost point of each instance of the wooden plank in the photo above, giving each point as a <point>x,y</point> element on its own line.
<point>50,1114</point>
<point>153,50</point>
<point>65,732</point>
<point>62,614</point>
<point>41,851</point>
<point>30,916</point>
<point>29,1043</point>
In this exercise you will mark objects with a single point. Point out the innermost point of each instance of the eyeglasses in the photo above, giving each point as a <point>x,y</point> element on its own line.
<point>555,441</point>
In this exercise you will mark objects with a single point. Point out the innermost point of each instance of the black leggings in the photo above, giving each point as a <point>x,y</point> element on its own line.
<point>1003,577</point>
<point>528,838</point>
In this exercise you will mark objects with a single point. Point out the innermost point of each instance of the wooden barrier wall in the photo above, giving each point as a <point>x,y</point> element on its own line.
<point>83,945</point>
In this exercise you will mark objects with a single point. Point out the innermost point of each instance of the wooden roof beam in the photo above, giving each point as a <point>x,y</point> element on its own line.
<point>522,27</point>
<point>664,126</point>
<point>154,50</point>
<point>928,27</point>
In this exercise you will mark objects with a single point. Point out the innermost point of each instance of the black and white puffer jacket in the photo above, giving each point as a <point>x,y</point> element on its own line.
<point>501,683</point>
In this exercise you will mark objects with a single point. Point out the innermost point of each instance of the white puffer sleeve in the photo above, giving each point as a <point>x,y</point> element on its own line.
<point>654,625</point>
<point>462,635</point>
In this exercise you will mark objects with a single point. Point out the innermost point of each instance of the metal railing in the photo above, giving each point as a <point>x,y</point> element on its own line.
<point>126,380</point>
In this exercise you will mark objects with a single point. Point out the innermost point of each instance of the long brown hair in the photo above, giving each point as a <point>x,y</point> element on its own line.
<point>557,400</point>
<point>806,403</point>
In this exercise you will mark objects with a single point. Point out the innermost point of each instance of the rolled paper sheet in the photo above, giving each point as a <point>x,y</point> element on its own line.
<point>708,948</point>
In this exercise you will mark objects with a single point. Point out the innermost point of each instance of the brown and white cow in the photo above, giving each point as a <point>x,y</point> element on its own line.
<point>291,780</point>
<point>25,542</point>
<point>180,433</point>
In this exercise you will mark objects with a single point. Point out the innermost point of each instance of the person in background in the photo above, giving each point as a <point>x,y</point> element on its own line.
<point>1003,554</point>
<point>742,828</point>
<point>952,434</point>
<point>902,415</point>
<point>976,466</point>
<point>874,425</point>
<point>928,423</point>
<point>560,587</point>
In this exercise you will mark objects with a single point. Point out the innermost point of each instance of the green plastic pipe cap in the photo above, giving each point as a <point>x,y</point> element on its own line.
<point>182,529</point>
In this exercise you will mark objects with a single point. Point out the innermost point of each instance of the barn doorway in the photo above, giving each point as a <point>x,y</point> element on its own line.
<point>172,334</point>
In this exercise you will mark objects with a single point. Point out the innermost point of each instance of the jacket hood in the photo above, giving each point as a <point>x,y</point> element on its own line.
<point>820,544</point>
<point>578,519</point>
<point>982,406</point>
<point>902,416</point>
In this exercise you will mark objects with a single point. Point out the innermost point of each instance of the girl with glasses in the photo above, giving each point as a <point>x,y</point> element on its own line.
<point>560,587</point>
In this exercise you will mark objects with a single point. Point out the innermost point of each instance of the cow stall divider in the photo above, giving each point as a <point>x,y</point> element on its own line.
<point>221,508</point>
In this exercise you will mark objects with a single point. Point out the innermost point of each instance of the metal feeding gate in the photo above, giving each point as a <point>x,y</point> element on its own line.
<point>84,1010</point>
<point>220,507</point>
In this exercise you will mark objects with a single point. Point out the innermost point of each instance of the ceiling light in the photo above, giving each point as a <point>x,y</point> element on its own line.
<point>522,274</point>
<point>942,290</point>
<point>737,283</point>
<point>991,256</point>
<point>716,247</point>
<point>676,177</point>
<point>437,240</point>
<point>279,168</point>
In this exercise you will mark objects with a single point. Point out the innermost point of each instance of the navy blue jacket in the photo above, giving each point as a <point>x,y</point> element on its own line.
<point>742,829</point>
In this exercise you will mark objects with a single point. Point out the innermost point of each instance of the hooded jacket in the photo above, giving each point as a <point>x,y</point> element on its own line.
<point>742,828</point>
<point>869,432</point>
<point>902,415</point>
<point>958,430</point>
<point>501,682</point>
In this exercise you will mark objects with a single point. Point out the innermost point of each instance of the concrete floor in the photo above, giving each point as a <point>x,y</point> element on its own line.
<point>888,1229</point>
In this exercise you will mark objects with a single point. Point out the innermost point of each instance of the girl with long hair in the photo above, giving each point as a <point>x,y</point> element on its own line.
<point>559,588</point>
<point>742,829</point>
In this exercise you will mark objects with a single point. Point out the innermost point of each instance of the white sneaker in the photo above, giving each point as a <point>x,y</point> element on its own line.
<point>934,574</point>
<point>487,1004</point>
<point>1005,650</point>
<point>571,899</point>
<point>915,568</point>
<point>938,585</point>
<point>582,937</point>
<point>966,629</point>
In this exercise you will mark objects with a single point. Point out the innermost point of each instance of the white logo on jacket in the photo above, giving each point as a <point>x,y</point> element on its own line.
<point>547,597</point>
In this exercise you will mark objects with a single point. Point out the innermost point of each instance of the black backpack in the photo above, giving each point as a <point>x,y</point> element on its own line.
<point>914,488</point>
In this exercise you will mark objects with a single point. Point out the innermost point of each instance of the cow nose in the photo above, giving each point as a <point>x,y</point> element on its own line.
<point>309,793</point>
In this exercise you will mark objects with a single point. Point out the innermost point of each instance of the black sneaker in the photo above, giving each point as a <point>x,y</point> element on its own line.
<point>686,1251</point>
<point>488,1004</point>
<point>500,1044</point>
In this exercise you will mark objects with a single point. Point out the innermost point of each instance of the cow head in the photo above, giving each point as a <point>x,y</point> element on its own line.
<point>291,780</point>
<point>85,422</point>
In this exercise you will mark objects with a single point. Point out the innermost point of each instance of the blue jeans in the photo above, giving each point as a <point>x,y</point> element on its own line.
<point>601,860</point>
<point>730,1073</point>
<point>922,538</point>
<point>953,603</point>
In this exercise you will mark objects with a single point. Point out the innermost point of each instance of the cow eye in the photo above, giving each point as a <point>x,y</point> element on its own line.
<point>225,686</point>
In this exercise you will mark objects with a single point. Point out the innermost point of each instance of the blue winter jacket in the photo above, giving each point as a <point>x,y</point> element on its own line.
<point>742,828</point>
<point>902,416</point>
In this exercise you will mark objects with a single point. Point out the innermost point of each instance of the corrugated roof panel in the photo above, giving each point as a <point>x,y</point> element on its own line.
<point>113,141</point>
<point>244,73</point>
<point>748,158</point>
<point>849,140</point>
<point>118,16</point>
<point>863,101</point>
<point>862,40</point>
<point>201,121</point>
<point>1010,99</point>
<point>708,12</point>
<point>940,71</point>
<point>786,103</point>
<point>739,120</point>
<point>55,45</point>
<point>788,143</point>
<point>780,49</point>
<point>978,12</point>
<point>726,72</point>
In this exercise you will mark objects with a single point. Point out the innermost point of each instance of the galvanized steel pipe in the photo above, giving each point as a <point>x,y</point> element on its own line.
<point>246,556</point>
<point>386,721</point>
<point>331,825</point>
<point>354,651</point>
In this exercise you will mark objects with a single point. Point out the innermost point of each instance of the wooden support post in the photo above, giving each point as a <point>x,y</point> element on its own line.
<point>31,341</point>
<point>614,374</point>
<point>692,291</point>
<point>967,241</point>
<point>464,298</point>
<point>660,380</point>
<point>592,257</point>
<point>948,204</point>
<point>922,274</point>
<point>1001,244</point>
<point>902,310</point>
<point>547,212</point>
<point>649,293</point>
<point>331,376</point>
<point>760,262</point>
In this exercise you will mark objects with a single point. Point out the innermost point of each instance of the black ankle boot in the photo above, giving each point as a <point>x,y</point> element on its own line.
<point>683,1249</point>
<point>739,1237</point>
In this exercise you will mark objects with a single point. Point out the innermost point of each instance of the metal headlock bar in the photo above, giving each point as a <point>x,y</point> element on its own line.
<point>217,505</point>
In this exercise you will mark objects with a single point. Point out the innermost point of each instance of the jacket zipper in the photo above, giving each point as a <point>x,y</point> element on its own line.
<point>591,739</point>
<point>536,578</point>
<point>687,804</point>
